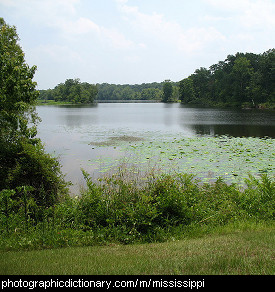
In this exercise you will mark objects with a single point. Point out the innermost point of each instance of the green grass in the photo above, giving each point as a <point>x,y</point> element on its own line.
<point>242,252</point>
<point>165,224</point>
<point>52,102</point>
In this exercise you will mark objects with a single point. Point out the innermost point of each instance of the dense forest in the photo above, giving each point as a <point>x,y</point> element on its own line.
<point>244,79</point>
<point>76,92</point>
<point>72,91</point>
<point>129,92</point>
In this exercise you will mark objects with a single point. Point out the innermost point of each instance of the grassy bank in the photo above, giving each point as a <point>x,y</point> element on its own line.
<point>157,224</point>
<point>238,249</point>
<point>53,102</point>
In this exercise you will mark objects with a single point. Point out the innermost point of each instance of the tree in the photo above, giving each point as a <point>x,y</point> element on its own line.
<point>242,72</point>
<point>186,90</point>
<point>167,91</point>
<point>240,80</point>
<point>201,79</point>
<point>17,90</point>
<point>23,161</point>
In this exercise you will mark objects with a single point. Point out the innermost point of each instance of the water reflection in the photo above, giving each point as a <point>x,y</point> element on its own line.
<point>69,130</point>
<point>161,117</point>
<point>234,131</point>
<point>76,116</point>
<point>233,122</point>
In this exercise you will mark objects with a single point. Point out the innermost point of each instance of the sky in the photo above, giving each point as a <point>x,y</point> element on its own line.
<point>135,41</point>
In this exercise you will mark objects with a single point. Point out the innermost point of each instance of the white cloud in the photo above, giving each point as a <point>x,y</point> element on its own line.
<point>249,13</point>
<point>136,41</point>
<point>46,12</point>
<point>116,38</point>
<point>62,15</point>
<point>169,32</point>
<point>197,38</point>
<point>259,14</point>
<point>80,26</point>
<point>57,53</point>
<point>111,36</point>
<point>232,5</point>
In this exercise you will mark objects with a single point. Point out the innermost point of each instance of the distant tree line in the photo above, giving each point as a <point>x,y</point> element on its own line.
<point>243,79</point>
<point>76,92</point>
<point>145,91</point>
<point>72,91</point>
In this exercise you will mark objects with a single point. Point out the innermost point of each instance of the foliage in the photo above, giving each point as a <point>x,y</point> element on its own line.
<point>72,91</point>
<point>243,79</point>
<point>122,209</point>
<point>231,158</point>
<point>167,91</point>
<point>17,90</point>
<point>145,91</point>
<point>186,90</point>
<point>23,161</point>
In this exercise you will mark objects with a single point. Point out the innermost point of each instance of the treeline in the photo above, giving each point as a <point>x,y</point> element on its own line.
<point>72,91</point>
<point>243,79</point>
<point>76,92</point>
<point>240,80</point>
<point>145,91</point>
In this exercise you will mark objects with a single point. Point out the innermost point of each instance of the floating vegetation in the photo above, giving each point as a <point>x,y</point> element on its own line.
<point>115,140</point>
<point>206,157</point>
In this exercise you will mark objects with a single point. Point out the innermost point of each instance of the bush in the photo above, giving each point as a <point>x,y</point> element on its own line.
<point>258,199</point>
<point>31,166</point>
<point>116,209</point>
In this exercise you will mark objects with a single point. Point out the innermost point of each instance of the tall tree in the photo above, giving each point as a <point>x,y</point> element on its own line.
<point>23,161</point>
<point>240,80</point>
<point>17,90</point>
<point>186,90</point>
<point>242,72</point>
<point>167,91</point>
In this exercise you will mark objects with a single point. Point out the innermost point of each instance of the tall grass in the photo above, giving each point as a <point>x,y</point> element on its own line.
<point>123,209</point>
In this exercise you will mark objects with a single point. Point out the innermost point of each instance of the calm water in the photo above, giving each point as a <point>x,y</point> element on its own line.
<point>74,132</point>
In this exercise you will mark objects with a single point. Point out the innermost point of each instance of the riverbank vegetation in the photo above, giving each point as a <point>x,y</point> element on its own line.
<point>24,164</point>
<point>71,91</point>
<point>122,209</point>
<point>37,211</point>
<point>241,80</point>
<point>66,92</point>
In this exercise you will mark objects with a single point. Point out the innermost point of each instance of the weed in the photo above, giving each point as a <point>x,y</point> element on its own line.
<point>122,208</point>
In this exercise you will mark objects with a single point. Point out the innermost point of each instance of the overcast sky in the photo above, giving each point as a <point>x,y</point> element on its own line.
<point>135,41</point>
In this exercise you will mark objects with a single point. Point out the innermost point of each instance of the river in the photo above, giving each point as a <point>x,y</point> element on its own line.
<point>83,135</point>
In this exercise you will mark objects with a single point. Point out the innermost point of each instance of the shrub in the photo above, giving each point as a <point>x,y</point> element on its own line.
<point>115,209</point>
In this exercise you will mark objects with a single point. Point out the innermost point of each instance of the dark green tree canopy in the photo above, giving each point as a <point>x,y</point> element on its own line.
<point>74,91</point>
<point>17,90</point>
<point>104,91</point>
<point>23,161</point>
<point>241,79</point>
<point>167,91</point>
